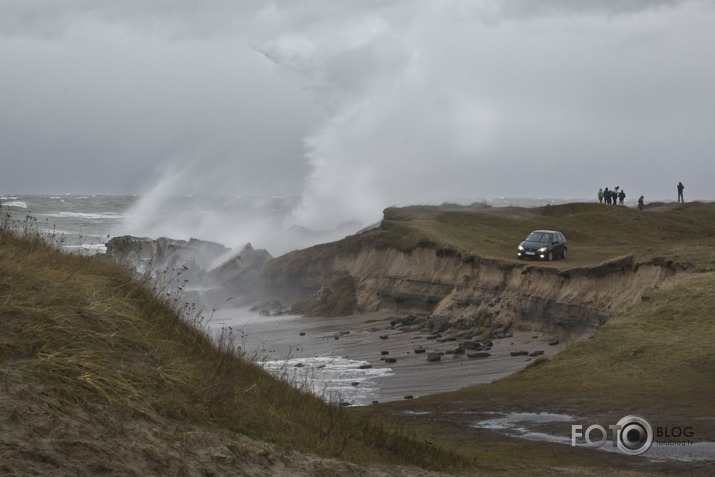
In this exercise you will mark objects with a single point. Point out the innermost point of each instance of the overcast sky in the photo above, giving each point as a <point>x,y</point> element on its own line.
<point>357,105</point>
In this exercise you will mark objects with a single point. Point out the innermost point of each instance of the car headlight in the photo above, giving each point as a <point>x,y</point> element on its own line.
<point>543,249</point>
<point>520,248</point>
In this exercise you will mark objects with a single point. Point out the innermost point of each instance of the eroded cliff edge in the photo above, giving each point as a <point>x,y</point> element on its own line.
<point>455,266</point>
<point>464,293</point>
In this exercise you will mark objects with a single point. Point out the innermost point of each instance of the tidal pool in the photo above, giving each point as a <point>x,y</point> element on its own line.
<point>531,426</point>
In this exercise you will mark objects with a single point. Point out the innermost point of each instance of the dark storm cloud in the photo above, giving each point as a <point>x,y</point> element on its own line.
<point>357,105</point>
<point>124,94</point>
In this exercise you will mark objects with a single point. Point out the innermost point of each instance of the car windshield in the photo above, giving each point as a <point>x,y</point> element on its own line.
<point>539,237</point>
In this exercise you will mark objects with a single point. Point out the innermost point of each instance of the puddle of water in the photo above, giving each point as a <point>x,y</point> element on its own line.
<point>683,451</point>
<point>414,413</point>
<point>512,420</point>
<point>524,425</point>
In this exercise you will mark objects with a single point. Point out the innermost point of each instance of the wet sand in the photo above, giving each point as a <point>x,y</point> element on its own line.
<point>367,340</point>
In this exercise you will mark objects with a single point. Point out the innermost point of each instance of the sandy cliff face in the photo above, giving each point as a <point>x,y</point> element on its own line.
<point>450,290</point>
<point>476,292</point>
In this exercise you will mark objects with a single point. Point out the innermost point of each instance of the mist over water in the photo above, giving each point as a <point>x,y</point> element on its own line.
<point>268,223</point>
<point>278,224</point>
<point>352,110</point>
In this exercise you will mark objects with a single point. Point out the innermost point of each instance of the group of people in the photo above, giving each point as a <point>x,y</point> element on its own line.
<point>618,195</point>
<point>611,197</point>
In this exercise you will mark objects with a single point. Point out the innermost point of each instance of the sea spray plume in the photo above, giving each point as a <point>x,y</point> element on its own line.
<point>179,207</point>
<point>443,101</point>
<point>424,109</point>
<point>234,221</point>
<point>400,131</point>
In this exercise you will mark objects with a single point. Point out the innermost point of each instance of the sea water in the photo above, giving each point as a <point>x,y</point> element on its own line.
<point>74,222</point>
<point>86,223</point>
<point>275,343</point>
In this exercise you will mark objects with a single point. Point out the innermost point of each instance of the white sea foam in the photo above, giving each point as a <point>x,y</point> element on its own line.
<point>331,376</point>
<point>336,379</point>
<point>89,249</point>
<point>20,204</point>
<point>85,215</point>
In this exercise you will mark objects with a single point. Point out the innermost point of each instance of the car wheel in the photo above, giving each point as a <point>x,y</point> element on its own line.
<point>550,256</point>
<point>563,254</point>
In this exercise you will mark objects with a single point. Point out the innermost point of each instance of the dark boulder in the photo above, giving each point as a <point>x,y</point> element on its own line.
<point>519,353</point>
<point>471,345</point>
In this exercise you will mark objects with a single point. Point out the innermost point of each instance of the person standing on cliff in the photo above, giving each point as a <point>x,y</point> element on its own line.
<point>607,195</point>
<point>600,196</point>
<point>680,192</point>
<point>640,203</point>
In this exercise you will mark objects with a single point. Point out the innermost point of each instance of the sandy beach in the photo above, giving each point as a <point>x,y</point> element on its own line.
<point>349,358</point>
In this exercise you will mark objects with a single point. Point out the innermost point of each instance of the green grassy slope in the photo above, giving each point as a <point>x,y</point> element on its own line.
<point>656,359</point>
<point>596,233</point>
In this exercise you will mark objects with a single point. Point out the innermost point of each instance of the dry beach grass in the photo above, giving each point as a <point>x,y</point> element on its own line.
<point>92,363</point>
<point>98,375</point>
